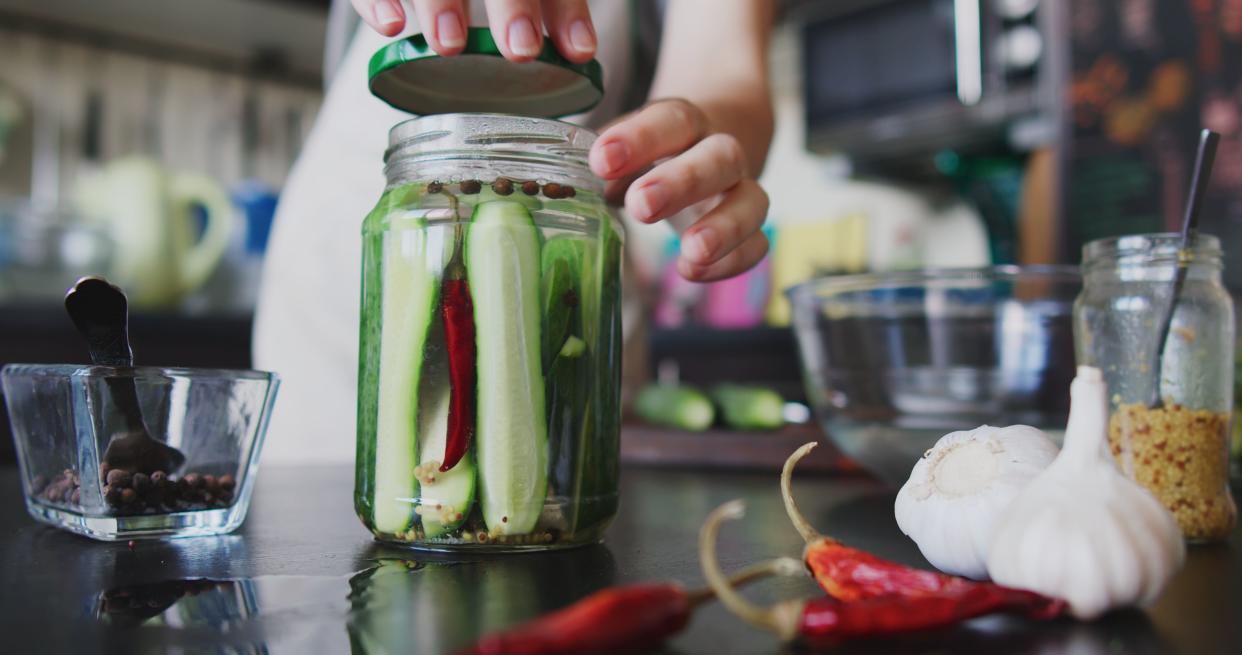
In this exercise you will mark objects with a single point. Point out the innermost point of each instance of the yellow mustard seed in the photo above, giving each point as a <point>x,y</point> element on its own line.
<point>1181,456</point>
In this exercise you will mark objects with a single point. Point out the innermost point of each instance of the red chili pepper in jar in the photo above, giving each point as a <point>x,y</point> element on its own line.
<point>629,619</point>
<point>850,575</point>
<point>457,313</point>
<point>828,621</point>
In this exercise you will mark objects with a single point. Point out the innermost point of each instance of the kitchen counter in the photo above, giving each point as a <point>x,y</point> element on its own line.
<point>301,576</point>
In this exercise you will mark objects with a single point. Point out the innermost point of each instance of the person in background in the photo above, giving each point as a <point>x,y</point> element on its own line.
<point>685,126</point>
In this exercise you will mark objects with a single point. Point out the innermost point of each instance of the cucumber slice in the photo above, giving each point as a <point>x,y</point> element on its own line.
<point>444,498</point>
<point>573,348</point>
<point>561,291</point>
<point>409,298</point>
<point>598,475</point>
<point>502,261</point>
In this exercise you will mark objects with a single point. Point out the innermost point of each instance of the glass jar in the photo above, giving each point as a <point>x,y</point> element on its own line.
<point>489,376</point>
<point>1172,438</point>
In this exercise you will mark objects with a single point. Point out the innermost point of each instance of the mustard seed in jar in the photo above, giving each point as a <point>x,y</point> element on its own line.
<point>1180,455</point>
<point>1171,394</point>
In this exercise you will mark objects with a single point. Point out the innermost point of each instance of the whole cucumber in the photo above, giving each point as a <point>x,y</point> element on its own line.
<point>681,407</point>
<point>749,407</point>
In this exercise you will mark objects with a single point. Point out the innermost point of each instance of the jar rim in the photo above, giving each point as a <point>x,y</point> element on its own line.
<point>491,135</point>
<point>1152,247</point>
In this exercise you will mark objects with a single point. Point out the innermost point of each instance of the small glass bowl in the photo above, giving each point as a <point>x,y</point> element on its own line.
<point>63,417</point>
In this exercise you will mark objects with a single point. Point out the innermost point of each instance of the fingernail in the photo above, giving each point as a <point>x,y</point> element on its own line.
<point>650,201</point>
<point>581,37</point>
<point>523,40</point>
<point>386,14</point>
<point>612,156</point>
<point>448,28</point>
<point>700,245</point>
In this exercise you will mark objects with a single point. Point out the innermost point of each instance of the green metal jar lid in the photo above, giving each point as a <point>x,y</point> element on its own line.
<point>410,76</point>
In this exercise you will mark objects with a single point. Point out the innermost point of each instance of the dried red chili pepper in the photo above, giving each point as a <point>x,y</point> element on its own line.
<point>457,313</point>
<point>633,618</point>
<point>849,574</point>
<point>827,621</point>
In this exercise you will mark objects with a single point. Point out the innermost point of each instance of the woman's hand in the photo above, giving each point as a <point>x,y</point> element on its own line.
<point>705,148</point>
<point>515,25</point>
<point>688,164</point>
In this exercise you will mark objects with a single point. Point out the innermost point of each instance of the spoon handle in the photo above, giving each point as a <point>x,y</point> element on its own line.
<point>1190,229</point>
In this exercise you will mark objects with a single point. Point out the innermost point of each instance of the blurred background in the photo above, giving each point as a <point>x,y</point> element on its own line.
<point>911,133</point>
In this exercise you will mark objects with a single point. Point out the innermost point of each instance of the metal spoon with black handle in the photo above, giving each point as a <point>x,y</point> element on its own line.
<point>101,313</point>
<point>1190,229</point>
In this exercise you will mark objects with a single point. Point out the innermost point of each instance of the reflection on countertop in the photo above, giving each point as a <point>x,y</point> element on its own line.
<point>304,576</point>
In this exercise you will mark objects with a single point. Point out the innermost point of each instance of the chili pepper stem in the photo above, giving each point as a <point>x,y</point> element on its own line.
<point>781,566</point>
<point>782,618</point>
<point>809,534</point>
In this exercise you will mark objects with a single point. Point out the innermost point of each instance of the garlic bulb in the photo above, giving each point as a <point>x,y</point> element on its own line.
<point>955,496</point>
<point>1082,531</point>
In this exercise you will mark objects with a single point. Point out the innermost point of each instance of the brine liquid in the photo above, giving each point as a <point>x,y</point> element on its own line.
<point>581,393</point>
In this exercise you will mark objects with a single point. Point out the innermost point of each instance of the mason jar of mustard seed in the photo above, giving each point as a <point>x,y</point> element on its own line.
<point>1171,400</point>
<point>489,390</point>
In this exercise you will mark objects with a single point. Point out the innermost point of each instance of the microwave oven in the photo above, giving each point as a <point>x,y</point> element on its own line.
<point>896,79</point>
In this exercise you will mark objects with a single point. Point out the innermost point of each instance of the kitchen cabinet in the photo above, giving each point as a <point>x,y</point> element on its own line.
<point>286,35</point>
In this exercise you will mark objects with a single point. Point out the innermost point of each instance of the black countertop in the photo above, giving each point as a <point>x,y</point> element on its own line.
<point>300,577</point>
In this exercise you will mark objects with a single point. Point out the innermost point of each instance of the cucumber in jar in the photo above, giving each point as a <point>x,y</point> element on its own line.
<point>566,370</point>
<point>598,469</point>
<point>445,498</point>
<point>511,440</point>
<point>560,276</point>
<point>409,291</point>
<point>411,404</point>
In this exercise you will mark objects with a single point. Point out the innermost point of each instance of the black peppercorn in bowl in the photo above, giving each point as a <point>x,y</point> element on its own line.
<point>85,471</point>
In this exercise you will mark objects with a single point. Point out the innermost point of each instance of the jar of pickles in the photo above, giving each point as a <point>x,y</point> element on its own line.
<point>488,404</point>
<point>1171,403</point>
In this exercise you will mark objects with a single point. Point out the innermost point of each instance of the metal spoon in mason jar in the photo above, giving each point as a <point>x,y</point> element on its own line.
<point>1190,228</point>
<point>101,313</point>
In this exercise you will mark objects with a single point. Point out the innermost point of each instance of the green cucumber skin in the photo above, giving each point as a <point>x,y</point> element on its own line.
<point>678,407</point>
<point>368,365</point>
<point>748,407</point>
<point>560,275</point>
<point>582,480</point>
<point>511,439</point>
<point>583,391</point>
<point>598,488</point>
<point>369,351</point>
<point>573,348</point>
<point>410,292</point>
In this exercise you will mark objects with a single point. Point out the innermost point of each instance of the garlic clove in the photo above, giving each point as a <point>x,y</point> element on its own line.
<point>960,487</point>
